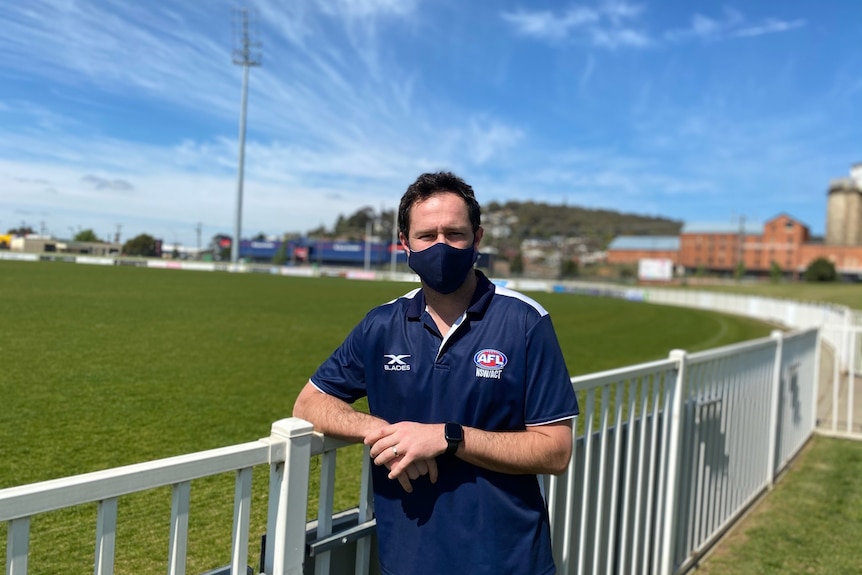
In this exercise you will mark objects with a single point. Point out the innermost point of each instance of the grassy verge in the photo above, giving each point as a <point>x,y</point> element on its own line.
<point>839,293</point>
<point>811,523</point>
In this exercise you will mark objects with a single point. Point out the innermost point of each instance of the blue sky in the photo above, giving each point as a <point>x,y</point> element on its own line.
<point>121,112</point>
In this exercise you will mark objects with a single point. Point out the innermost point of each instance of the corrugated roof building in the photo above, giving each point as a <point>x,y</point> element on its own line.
<point>631,249</point>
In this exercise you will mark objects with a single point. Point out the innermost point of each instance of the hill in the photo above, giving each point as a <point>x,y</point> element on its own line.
<point>508,224</point>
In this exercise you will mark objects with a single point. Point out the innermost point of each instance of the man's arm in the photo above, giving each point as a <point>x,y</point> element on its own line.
<point>538,449</point>
<point>332,416</point>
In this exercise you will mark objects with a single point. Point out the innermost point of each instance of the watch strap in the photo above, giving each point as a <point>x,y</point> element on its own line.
<point>454,434</point>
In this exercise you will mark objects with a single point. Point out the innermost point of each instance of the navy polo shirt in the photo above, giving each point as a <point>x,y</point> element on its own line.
<point>500,369</point>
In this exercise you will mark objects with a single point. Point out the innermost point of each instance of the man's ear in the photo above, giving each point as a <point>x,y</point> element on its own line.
<point>478,237</point>
<point>403,240</point>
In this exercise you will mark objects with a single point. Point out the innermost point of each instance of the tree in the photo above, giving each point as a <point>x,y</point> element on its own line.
<point>775,272</point>
<point>821,270</point>
<point>22,231</point>
<point>569,269</point>
<point>279,258</point>
<point>87,235</point>
<point>353,227</point>
<point>141,245</point>
<point>739,270</point>
<point>318,232</point>
<point>517,265</point>
<point>628,273</point>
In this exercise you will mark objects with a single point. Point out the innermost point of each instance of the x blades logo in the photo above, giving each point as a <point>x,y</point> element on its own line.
<point>396,362</point>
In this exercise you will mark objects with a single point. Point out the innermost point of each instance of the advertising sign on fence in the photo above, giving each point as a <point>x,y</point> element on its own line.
<point>655,270</point>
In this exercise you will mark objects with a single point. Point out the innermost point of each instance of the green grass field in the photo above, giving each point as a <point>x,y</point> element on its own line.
<point>810,523</point>
<point>102,367</point>
<point>841,293</point>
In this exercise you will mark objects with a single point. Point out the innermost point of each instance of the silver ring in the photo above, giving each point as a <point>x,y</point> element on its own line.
<point>395,450</point>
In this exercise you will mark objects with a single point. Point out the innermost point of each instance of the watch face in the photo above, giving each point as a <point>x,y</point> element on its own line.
<point>454,432</point>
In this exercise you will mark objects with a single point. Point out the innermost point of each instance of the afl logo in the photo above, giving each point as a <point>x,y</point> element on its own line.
<point>490,359</point>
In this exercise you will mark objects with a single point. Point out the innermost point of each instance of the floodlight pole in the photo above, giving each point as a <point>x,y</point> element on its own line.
<point>247,55</point>
<point>393,255</point>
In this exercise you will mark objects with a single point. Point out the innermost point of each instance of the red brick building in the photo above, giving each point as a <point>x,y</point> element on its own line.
<point>719,248</point>
<point>722,248</point>
<point>783,241</point>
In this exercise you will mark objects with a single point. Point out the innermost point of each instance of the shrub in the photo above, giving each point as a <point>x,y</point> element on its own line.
<point>821,270</point>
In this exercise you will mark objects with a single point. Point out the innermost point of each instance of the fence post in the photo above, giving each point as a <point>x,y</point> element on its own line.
<point>845,336</point>
<point>290,460</point>
<point>668,535</point>
<point>778,336</point>
<point>851,375</point>
<point>818,357</point>
<point>18,546</point>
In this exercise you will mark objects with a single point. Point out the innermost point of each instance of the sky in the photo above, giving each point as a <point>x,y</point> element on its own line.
<point>124,116</point>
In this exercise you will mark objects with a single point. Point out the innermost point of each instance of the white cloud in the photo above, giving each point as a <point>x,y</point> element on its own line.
<point>115,185</point>
<point>618,10</point>
<point>547,25</point>
<point>732,24</point>
<point>603,26</point>
<point>489,138</point>
<point>370,8</point>
<point>614,24</point>
<point>705,27</point>
<point>771,26</point>
<point>619,37</point>
<point>116,50</point>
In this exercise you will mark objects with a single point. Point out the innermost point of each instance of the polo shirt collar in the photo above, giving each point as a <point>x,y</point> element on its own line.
<point>478,304</point>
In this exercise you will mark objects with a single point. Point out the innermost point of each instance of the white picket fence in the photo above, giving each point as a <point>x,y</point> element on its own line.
<point>677,450</point>
<point>287,451</point>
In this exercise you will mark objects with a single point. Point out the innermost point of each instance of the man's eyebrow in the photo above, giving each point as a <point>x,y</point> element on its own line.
<point>446,228</point>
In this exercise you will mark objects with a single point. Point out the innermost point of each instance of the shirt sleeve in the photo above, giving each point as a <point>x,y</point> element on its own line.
<point>343,374</point>
<point>550,395</point>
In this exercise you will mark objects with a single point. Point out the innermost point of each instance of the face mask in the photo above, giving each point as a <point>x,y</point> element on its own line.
<point>442,267</point>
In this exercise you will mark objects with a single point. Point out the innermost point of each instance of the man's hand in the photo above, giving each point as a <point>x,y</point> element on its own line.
<point>408,450</point>
<point>537,449</point>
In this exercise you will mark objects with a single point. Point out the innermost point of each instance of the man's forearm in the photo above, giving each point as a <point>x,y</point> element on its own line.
<point>332,416</point>
<point>539,449</point>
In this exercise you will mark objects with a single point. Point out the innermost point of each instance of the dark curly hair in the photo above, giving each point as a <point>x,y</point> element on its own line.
<point>429,184</point>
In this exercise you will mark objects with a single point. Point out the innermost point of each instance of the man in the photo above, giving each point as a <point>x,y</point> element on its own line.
<point>469,397</point>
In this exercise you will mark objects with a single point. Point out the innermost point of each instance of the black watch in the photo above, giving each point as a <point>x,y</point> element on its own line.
<point>454,436</point>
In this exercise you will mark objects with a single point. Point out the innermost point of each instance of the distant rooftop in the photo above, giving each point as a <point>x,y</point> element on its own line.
<point>645,243</point>
<point>722,228</point>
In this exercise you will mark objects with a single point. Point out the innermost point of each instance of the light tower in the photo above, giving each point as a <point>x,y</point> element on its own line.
<point>246,54</point>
